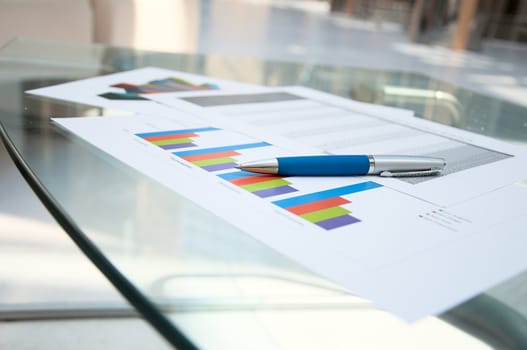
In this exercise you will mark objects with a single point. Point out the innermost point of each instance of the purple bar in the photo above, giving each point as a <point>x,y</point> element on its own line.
<point>274,191</point>
<point>179,145</point>
<point>217,167</point>
<point>339,221</point>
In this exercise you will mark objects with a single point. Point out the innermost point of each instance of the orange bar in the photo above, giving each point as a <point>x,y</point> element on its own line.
<point>319,205</point>
<point>254,179</point>
<point>211,156</point>
<point>169,137</point>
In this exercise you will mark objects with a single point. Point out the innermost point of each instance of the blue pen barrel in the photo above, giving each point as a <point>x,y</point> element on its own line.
<point>334,165</point>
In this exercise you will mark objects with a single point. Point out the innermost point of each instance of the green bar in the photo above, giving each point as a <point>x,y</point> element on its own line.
<point>171,142</point>
<point>214,161</point>
<point>324,214</point>
<point>265,185</point>
<point>160,87</point>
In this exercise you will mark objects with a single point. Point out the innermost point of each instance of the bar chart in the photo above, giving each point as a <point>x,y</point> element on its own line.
<point>191,145</point>
<point>173,139</point>
<point>218,151</point>
<point>263,186</point>
<point>324,208</point>
<point>217,158</point>
<point>170,84</point>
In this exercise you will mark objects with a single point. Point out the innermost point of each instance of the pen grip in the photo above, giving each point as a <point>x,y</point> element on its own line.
<point>333,165</point>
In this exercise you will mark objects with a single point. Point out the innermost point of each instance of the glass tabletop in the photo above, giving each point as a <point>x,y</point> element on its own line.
<point>198,280</point>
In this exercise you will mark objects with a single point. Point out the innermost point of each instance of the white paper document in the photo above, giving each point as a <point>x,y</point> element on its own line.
<point>414,248</point>
<point>334,125</point>
<point>131,90</point>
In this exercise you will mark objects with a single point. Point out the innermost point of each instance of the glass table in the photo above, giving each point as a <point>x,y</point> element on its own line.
<point>199,281</point>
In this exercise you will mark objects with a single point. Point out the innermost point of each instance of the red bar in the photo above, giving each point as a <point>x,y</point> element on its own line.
<point>319,205</point>
<point>169,137</point>
<point>124,85</point>
<point>211,155</point>
<point>253,179</point>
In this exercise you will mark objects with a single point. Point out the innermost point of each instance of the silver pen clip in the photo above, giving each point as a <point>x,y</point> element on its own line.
<point>428,172</point>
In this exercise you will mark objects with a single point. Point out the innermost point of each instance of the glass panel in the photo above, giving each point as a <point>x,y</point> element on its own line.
<point>222,287</point>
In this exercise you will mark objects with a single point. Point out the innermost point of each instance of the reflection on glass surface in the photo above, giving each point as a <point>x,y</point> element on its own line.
<point>206,275</point>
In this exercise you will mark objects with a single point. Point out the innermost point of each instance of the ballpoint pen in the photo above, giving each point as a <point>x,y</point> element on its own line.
<point>344,165</point>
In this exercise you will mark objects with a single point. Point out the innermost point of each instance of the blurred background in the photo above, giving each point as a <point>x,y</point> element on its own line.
<point>478,45</point>
<point>483,37</point>
<point>183,25</point>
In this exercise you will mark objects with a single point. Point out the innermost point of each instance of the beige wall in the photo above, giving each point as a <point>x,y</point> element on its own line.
<point>69,20</point>
<point>163,25</point>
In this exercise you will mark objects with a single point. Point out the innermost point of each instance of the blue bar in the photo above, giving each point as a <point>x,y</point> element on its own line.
<point>236,175</point>
<point>175,132</point>
<point>221,149</point>
<point>335,192</point>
